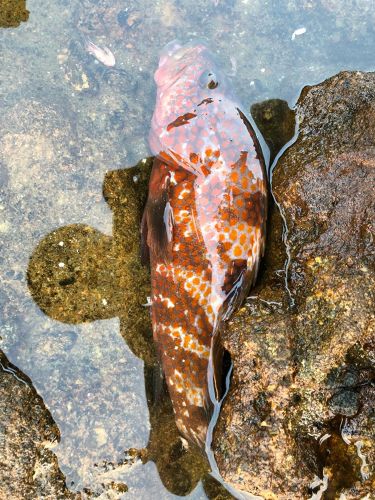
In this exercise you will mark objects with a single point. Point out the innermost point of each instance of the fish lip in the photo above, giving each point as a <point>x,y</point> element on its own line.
<point>170,48</point>
<point>177,50</point>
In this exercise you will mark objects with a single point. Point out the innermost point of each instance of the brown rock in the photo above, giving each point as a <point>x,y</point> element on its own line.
<point>299,418</point>
<point>29,468</point>
<point>12,13</point>
<point>276,122</point>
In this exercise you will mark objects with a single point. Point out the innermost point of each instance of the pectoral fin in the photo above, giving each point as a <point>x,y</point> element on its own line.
<point>145,251</point>
<point>157,220</point>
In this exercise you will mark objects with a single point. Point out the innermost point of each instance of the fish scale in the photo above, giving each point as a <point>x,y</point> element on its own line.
<point>204,224</point>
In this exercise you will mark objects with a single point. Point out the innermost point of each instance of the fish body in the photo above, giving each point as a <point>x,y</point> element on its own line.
<point>203,225</point>
<point>102,54</point>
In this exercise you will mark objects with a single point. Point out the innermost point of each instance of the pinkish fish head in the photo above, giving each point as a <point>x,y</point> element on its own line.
<point>187,76</point>
<point>190,67</point>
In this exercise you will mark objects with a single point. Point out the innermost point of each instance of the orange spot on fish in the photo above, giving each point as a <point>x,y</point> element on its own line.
<point>237,251</point>
<point>234,176</point>
<point>200,323</point>
<point>233,235</point>
<point>181,120</point>
<point>244,183</point>
<point>236,191</point>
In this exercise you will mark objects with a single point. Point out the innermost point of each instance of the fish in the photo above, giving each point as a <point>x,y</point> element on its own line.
<point>203,226</point>
<point>102,54</point>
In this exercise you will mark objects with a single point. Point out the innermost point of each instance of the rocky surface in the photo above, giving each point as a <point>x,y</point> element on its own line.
<point>12,13</point>
<point>276,122</point>
<point>29,468</point>
<point>299,419</point>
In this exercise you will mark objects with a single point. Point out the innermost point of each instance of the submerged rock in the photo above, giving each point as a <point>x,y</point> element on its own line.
<point>299,417</point>
<point>13,13</point>
<point>276,121</point>
<point>29,468</point>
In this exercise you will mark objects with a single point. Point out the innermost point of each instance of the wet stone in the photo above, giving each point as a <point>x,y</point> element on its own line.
<point>344,403</point>
<point>29,468</point>
<point>276,122</point>
<point>13,13</point>
<point>298,420</point>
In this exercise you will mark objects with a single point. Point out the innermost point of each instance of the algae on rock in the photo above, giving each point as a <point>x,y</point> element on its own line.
<point>12,13</point>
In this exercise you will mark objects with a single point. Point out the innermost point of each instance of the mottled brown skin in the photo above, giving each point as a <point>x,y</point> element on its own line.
<point>204,225</point>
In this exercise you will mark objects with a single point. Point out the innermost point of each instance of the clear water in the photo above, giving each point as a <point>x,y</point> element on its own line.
<point>65,121</point>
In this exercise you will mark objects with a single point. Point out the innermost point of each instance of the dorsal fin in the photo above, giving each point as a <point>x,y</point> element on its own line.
<point>145,251</point>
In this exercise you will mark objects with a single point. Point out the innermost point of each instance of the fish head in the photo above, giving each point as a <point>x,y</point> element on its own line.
<point>190,67</point>
<point>187,76</point>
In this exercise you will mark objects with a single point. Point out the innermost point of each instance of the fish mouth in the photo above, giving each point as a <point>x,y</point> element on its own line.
<point>170,48</point>
<point>175,57</point>
<point>177,50</point>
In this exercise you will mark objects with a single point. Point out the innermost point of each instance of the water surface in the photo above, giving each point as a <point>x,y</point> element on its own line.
<point>65,121</point>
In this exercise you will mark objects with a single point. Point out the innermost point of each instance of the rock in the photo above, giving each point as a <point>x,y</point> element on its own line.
<point>299,417</point>
<point>12,13</point>
<point>29,468</point>
<point>276,121</point>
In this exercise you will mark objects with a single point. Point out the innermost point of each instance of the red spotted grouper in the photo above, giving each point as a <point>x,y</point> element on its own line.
<point>204,225</point>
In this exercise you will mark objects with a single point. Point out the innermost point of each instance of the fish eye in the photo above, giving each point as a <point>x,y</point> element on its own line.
<point>209,80</point>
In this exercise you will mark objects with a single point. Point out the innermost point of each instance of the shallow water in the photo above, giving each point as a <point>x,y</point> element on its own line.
<point>65,121</point>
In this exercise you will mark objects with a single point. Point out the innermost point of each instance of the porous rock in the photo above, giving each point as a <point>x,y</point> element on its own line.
<point>12,13</point>
<point>298,421</point>
<point>29,468</point>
